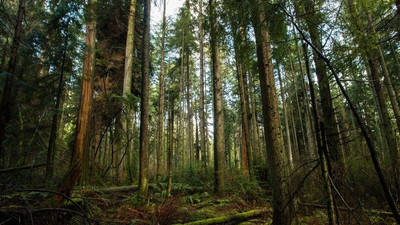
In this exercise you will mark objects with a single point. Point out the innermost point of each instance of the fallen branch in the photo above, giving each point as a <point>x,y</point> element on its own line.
<point>370,211</point>
<point>239,217</point>
<point>21,168</point>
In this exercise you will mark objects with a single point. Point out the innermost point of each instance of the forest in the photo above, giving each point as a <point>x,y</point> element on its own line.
<point>220,112</point>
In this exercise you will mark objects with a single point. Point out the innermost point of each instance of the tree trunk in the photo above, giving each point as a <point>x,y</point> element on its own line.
<point>247,151</point>
<point>218,106</point>
<point>372,55</point>
<point>53,132</point>
<point>126,91</point>
<point>328,111</point>
<point>181,148</point>
<point>285,116</point>
<point>272,125</point>
<point>387,81</point>
<point>170,148</point>
<point>144,108</point>
<point>189,112</point>
<point>83,121</point>
<point>321,143</point>
<point>254,124</point>
<point>310,137</point>
<point>203,122</point>
<point>7,101</point>
<point>162,97</point>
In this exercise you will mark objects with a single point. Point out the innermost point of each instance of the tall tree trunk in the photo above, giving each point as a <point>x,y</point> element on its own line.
<point>372,55</point>
<point>203,122</point>
<point>170,147</point>
<point>387,81</point>
<point>83,121</point>
<point>182,113</point>
<point>254,124</point>
<point>7,98</point>
<point>321,143</point>
<point>197,146</point>
<point>53,132</point>
<point>189,112</point>
<point>218,106</point>
<point>276,155</point>
<point>247,151</point>
<point>285,116</point>
<point>310,137</point>
<point>144,107</point>
<point>328,111</point>
<point>302,144</point>
<point>162,96</point>
<point>126,91</point>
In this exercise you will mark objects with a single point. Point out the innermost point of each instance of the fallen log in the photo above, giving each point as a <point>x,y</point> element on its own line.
<point>21,168</point>
<point>118,189</point>
<point>239,217</point>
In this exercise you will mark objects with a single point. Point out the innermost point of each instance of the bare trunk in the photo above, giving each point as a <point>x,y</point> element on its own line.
<point>285,116</point>
<point>126,91</point>
<point>272,125</point>
<point>254,124</point>
<point>7,101</point>
<point>83,121</point>
<point>162,96</point>
<point>247,151</point>
<point>144,107</point>
<point>53,132</point>
<point>203,122</point>
<point>321,143</point>
<point>170,148</point>
<point>328,111</point>
<point>218,106</point>
<point>189,112</point>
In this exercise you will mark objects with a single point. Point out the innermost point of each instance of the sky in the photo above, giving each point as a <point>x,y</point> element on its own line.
<point>157,11</point>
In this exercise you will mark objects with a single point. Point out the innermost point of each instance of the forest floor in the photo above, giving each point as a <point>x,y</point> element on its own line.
<point>115,205</point>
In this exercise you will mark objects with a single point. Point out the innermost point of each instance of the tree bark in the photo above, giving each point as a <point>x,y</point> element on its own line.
<point>53,132</point>
<point>162,96</point>
<point>276,155</point>
<point>170,147</point>
<point>7,101</point>
<point>247,151</point>
<point>83,121</point>
<point>328,111</point>
<point>144,107</point>
<point>287,129</point>
<point>321,144</point>
<point>203,122</point>
<point>127,85</point>
<point>218,106</point>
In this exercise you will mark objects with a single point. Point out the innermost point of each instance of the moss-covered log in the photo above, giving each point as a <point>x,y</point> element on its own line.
<point>239,217</point>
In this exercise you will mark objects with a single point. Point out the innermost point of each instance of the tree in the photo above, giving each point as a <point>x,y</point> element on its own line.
<point>276,155</point>
<point>144,107</point>
<point>53,132</point>
<point>7,98</point>
<point>162,95</point>
<point>203,122</point>
<point>128,70</point>
<point>217,102</point>
<point>313,20</point>
<point>84,114</point>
